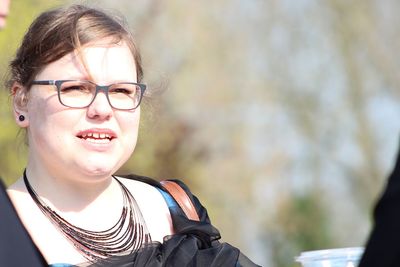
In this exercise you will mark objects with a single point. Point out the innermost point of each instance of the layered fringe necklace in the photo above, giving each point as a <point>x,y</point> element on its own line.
<point>125,237</point>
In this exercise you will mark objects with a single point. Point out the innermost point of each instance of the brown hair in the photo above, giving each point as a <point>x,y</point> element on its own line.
<point>58,32</point>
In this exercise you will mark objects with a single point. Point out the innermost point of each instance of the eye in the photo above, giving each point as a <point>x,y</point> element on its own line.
<point>121,90</point>
<point>126,89</point>
<point>76,87</point>
<point>73,88</point>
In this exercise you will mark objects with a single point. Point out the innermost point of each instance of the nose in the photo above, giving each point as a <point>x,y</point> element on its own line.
<point>100,107</point>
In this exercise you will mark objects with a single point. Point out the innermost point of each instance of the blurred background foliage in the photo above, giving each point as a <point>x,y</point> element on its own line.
<point>282,116</point>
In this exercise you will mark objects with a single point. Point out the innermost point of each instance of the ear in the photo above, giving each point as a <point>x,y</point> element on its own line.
<point>20,104</point>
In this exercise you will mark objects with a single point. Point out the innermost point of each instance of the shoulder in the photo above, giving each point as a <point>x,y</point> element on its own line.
<point>151,203</point>
<point>142,187</point>
<point>153,187</point>
<point>194,202</point>
<point>18,194</point>
<point>18,185</point>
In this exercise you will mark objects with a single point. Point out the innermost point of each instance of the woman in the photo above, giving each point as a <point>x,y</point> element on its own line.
<point>76,87</point>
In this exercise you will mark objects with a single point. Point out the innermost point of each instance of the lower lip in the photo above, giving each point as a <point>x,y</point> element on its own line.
<point>100,145</point>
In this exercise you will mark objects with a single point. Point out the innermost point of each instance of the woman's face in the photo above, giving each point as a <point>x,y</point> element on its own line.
<point>91,141</point>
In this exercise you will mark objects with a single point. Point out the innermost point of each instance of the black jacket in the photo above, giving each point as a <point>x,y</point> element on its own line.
<point>383,246</point>
<point>16,246</point>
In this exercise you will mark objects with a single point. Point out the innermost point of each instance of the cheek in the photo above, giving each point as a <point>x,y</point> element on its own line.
<point>36,115</point>
<point>130,120</point>
<point>45,117</point>
<point>130,127</point>
<point>40,108</point>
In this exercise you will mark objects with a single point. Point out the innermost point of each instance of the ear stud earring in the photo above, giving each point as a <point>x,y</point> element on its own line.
<point>21,117</point>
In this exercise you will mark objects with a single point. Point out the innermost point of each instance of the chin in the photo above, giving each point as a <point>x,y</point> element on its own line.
<point>101,165</point>
<point>98,172</point>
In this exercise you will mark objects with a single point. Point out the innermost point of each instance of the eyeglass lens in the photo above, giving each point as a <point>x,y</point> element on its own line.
<point>81,94</point>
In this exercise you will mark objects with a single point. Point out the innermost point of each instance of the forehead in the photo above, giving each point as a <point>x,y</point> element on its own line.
<point>99,62</point>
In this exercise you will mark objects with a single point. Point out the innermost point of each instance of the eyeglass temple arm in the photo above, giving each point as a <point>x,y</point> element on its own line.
<point>47,82</point>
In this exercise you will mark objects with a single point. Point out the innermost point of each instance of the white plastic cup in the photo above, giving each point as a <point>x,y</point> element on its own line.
<point>338,257</point>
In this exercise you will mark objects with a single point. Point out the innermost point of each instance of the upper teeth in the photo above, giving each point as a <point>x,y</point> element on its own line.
<point>96,135</point>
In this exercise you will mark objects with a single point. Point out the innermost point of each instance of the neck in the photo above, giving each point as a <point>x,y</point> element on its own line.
<point>66,193</point>
<point>129,233</point>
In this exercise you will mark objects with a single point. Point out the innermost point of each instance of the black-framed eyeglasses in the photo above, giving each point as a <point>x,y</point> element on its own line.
<point>81,94</point>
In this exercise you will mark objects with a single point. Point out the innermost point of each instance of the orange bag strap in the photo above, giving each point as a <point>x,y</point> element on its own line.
<point>183,200</point>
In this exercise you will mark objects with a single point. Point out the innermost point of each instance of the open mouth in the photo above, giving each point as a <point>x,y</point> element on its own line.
<point>96,137</point>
